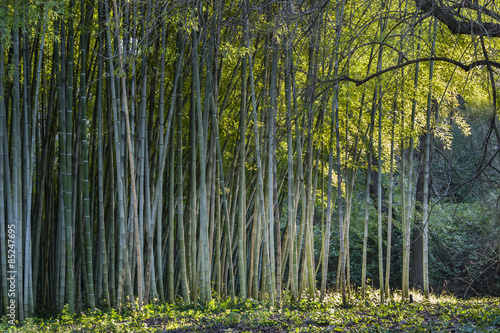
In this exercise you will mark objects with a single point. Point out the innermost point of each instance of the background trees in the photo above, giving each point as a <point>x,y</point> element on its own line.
<point>155,150</point>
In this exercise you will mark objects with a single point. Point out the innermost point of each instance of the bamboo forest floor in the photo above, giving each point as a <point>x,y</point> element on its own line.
<point>438,314</point>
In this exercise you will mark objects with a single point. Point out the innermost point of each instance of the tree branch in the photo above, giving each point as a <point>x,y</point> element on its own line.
<point>465,67</point>
<point>447,16</point>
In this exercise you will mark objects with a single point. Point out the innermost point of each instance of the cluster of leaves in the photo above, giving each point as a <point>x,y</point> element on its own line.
<point>438,313</point>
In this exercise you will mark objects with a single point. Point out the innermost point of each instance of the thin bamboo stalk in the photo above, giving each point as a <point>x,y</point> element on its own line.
<point>4,161</point>
<point>425,212</point>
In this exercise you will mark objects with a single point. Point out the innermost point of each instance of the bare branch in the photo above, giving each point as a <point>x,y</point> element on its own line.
<point>464,67</point>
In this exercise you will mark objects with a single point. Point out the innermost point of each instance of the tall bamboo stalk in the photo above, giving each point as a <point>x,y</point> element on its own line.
<point>179,188</point>
<point>390,202</point>
<point>293,265</point>
<point>242,184</point>
<point>4,161</point>
<point>408,193</point>
<point>206,295</point>
<point>367,194</point>
<point>425,211</point>
<point>131,160</point>
<point>85,154</point>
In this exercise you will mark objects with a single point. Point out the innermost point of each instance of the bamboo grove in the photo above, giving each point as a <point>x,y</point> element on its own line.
<point>166,150</point>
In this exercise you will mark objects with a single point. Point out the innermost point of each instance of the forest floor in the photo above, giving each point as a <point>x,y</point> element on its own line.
<point>437,314</point>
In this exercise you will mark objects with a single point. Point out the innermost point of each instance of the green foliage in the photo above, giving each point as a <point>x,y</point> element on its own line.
<point>439,313</point>
<point>463,250</point>
<point>463,237</point>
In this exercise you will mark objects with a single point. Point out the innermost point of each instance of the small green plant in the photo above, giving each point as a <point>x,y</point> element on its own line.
<point>436,314</point>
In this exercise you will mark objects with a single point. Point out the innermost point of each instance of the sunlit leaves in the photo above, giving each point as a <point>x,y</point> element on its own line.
<point>231,52</point>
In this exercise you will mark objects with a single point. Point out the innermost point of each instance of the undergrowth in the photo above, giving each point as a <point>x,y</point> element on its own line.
<point>437,314</point>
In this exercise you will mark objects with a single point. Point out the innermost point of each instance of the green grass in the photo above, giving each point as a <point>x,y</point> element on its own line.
<point>438,314</point>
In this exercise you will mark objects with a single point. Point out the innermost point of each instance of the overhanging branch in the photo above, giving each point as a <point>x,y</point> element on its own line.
<point>465,67</point>
<point>448,16</point>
